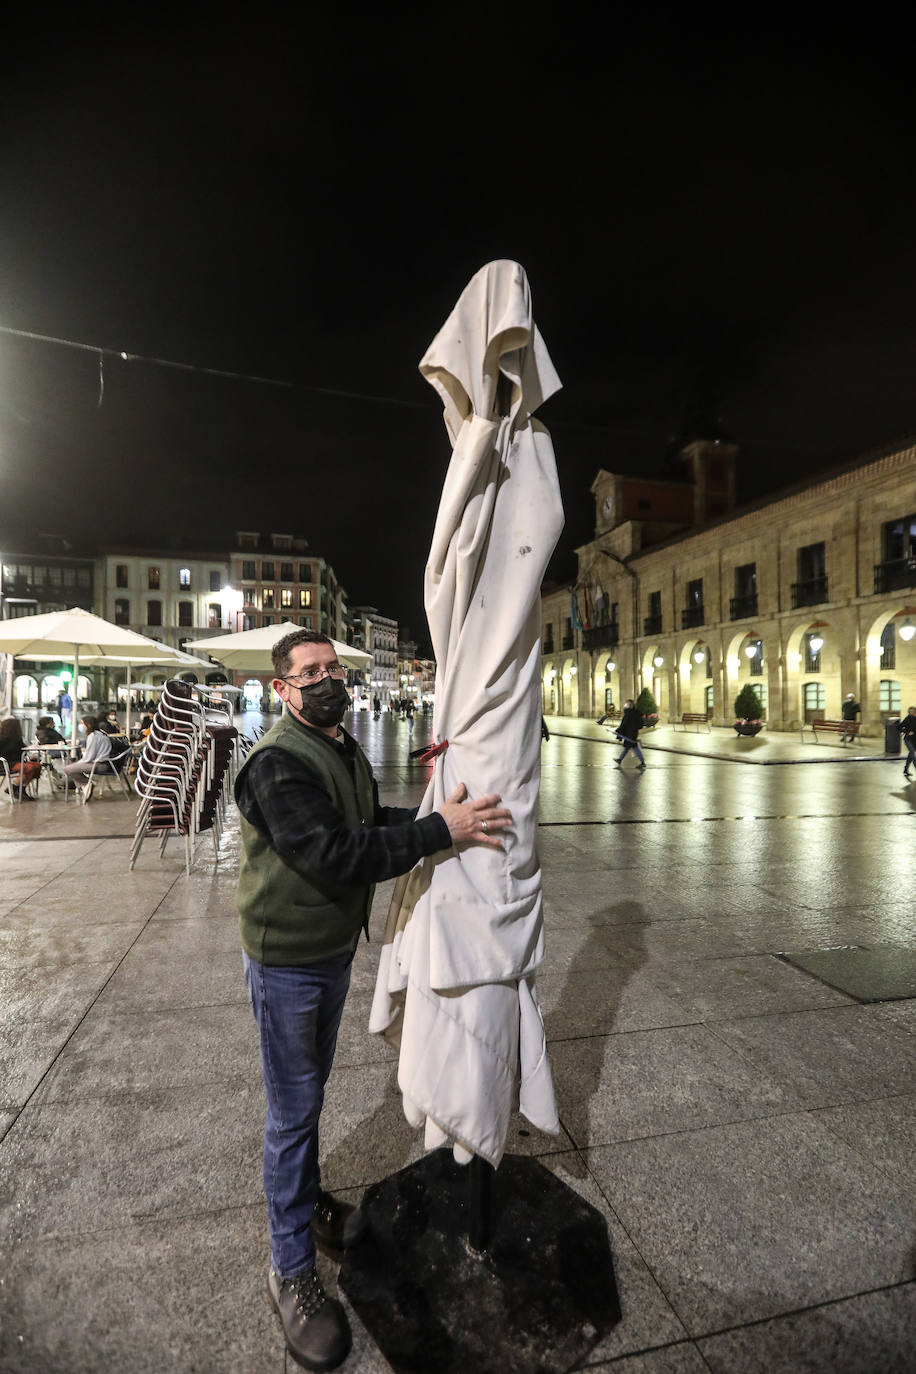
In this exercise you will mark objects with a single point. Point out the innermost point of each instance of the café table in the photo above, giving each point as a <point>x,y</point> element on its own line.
<point>46,753</point>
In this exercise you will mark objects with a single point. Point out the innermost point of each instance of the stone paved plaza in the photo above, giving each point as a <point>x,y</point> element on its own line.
<point>747,1129</point>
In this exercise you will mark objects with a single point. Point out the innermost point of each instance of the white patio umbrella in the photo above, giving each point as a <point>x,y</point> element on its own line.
<point>250,649</point>
<point>455,987</point>
<point>171,658</point>
<point>78,636</point>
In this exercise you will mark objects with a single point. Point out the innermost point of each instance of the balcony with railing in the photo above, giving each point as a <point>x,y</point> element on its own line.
<point>810,593</point>
<point>652,625</point>
<point>742,607</point>
<point>692,617</point>
<point>896,575</point>
<point>601,636</point>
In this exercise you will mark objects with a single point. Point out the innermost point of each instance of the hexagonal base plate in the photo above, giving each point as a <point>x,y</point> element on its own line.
<point>537,1299</point>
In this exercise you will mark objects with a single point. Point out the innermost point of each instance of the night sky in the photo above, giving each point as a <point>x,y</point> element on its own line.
<point>717,223</point>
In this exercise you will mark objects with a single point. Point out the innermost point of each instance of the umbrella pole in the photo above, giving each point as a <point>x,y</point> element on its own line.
<point>480,1196</point>
<point>75,699</point>
<point>127,720</point>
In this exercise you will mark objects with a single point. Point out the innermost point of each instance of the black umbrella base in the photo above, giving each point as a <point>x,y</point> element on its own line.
<point>536,1300</point>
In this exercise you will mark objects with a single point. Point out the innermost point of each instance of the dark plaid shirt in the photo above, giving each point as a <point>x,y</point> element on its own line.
<point>282,799</point>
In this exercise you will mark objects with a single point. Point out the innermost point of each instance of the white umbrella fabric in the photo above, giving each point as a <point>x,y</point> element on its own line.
<point>250,649</point>
<point>170,658</point>
<point>74,635</point>
<point>455,988</point>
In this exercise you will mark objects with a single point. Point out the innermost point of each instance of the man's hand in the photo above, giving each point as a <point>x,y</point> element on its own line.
<point>477,822</point>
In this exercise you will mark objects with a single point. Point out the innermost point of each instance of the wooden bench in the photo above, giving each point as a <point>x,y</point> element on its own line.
<point>696,718</point>
<point>831,727</point>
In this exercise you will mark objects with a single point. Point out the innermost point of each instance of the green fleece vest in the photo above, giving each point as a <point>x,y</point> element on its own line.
<point>287,918</point>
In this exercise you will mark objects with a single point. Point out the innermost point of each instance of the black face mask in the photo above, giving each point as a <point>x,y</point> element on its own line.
<point>324,702</point>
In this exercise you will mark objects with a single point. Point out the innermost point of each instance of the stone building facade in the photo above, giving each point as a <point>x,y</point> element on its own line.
<point>808,596</point>
<point>376,634</point>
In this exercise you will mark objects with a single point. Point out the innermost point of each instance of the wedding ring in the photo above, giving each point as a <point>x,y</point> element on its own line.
<point>484,827</point>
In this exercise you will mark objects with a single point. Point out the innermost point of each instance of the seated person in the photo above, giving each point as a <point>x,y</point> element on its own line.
<point>97,746</point>
<point>22,771</point>
<point>46,733</point>
<point>146,719</point>
<point>110,724</point>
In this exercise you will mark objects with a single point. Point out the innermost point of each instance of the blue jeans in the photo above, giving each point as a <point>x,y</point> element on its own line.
<point>629,744</point>
<point>298,1013</point>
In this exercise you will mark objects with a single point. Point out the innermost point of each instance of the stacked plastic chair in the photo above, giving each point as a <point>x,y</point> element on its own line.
<point>185,770</point>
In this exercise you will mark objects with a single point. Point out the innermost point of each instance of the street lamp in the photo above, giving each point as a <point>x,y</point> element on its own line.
<point>907,630</point>
<point>658,660</point>
<point>817,643</point>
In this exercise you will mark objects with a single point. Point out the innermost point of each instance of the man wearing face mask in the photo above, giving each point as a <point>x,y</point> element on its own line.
<point>315,841</point>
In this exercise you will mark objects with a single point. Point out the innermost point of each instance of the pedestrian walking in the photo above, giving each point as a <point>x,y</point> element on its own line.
<point>631,722</point>
<point>850,709</point>
<point>64,709</point>
<point>908,731</point>
<point>315,840</point>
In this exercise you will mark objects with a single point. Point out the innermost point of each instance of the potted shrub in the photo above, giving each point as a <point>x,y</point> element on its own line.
<point>648,706</point>
<point>748,711</point>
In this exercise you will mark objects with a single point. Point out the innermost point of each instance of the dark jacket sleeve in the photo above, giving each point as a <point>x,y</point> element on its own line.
<point>289,806</point>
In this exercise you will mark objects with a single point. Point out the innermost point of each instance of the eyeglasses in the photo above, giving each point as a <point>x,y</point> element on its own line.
<point>308,676</point>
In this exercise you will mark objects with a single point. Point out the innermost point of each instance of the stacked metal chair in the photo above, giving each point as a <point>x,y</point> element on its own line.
<point>185,770</point>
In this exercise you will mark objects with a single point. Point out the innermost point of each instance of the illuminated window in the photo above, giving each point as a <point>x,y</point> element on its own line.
<point>889,696</point>
<point>815,696</point>
<point>122,611</point>
<point>267,598</point>
<point>184,577</point>
<point>152,581</point>
<point>813,656</point>
<point>888,647</point>
<point>286,596</point>
<point>305,597</point>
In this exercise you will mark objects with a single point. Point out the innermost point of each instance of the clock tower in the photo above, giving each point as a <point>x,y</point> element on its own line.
<point>605,490</point>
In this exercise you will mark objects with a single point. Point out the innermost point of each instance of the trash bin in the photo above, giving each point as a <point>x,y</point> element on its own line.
<point>892,735</point>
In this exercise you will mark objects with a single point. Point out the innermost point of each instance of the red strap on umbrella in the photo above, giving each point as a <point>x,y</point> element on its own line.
<point>427,755</point>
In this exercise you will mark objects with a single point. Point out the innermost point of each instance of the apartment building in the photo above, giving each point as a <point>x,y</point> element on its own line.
<point>377,635</point>
<point>277,578</point>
